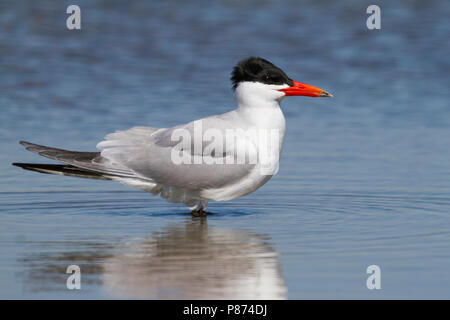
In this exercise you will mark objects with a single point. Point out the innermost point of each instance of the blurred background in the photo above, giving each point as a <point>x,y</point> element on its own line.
<point>364,177</point>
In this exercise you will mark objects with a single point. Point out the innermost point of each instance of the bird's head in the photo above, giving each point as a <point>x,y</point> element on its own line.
<point>255,78</point>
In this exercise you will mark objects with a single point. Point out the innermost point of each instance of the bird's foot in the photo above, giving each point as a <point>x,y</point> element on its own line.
<point>199,213</point>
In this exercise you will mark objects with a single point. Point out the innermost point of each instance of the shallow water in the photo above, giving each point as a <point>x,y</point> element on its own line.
<point>364,177</point>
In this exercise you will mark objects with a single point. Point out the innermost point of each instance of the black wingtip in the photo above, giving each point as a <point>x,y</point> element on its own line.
<point>24,143</point>
<point>21,165</point>
<point>25,166</point>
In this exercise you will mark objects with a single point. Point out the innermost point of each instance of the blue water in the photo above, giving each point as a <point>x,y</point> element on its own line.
<point>364,177</point>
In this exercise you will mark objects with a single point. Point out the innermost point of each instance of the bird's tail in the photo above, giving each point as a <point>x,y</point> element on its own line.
<point>77,164</point>
<point>62,169</point>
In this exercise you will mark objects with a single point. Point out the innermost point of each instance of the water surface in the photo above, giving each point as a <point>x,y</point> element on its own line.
<point>364,177</point>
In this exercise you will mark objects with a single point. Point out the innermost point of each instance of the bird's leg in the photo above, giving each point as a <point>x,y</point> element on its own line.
<point>198,208</point>
<point>199,213</point>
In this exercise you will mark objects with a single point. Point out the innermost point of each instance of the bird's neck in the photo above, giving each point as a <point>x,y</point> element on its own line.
<point>262,114</point>
<point>259,106</point>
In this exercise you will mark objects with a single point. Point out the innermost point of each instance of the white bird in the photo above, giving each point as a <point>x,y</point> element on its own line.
<point>196,162</point>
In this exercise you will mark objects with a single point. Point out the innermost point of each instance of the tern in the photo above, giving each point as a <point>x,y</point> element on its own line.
<point>203,166</point>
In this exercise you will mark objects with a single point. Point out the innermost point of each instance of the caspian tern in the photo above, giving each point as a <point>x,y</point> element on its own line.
<point>154,159</point>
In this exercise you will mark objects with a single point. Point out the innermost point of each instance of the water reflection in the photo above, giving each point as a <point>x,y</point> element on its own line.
<point>188,261</point>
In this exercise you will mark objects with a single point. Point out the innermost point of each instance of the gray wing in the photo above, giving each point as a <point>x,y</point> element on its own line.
<point>149,153</point>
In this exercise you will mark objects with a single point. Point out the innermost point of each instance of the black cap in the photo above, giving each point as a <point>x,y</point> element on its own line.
<point>256,69</point>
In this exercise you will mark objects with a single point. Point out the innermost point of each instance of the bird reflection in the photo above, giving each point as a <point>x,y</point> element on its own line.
<point>196,262</point>
<point>191,261</point>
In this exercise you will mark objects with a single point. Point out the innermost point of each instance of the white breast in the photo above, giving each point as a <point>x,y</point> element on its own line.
<point>269,122</point>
